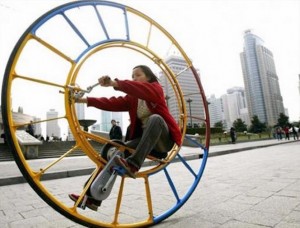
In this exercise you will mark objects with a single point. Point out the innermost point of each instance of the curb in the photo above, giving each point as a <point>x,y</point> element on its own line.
<point>47,176</point>
<point>81,172</point>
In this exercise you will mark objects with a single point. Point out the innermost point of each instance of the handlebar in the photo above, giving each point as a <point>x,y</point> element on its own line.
<point>78,92</point>
<point>90,88</point>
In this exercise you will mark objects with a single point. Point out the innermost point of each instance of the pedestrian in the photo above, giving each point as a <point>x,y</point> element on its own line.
<point>279,133</point>
<point>3,137</point>
<point>152,127</point>
<point>30,129</point>
<point>286,132</point>
<point>232,135</point>
<point>295,133</point>
<point>115,131</point>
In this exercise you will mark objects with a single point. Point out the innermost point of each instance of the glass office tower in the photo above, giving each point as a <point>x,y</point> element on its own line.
<point>261,81</point>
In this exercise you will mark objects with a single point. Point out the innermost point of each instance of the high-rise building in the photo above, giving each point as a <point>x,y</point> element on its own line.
<point>189,88</point>
<point>80,112</point>
<point>52,128</point>
<point>216,110</point>
<point>235,107</point>
<point>37,127</point>
<point>261,81</point>
<point>106,118</point>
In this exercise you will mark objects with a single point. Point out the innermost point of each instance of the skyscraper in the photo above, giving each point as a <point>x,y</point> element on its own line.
<point>261,81</point>
<point>106,118</point>
<point>80,113</point>
<point>80,110</point>
<point>53,128</point>
<point>216,110</point>
<point>235,107</point>
<point>189,88</point>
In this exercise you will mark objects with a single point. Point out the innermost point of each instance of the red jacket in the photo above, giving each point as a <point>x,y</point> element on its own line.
<point>152,93</point>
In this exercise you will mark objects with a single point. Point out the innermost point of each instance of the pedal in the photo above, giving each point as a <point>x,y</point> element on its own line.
<point>103,183</point>
<point>83,204</point>
<point>109,182</point>
<point>120,170</point>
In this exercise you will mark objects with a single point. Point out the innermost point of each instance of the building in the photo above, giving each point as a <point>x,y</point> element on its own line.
<point>80,113</point>
<point>20,118</point>
<point>52,127</point>
<point>216,110</point>
<point>235,107</point>
<point>189,87</point>
<point>261,81</point>
<point>80,110</point>
<point>37,127</point>
<point>228,108</point>
<point>106,118</point>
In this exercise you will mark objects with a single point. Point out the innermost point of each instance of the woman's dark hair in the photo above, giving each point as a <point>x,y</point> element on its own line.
<point>148,72</point>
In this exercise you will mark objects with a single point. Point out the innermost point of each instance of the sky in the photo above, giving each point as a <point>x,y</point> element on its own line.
<point>209,31</point>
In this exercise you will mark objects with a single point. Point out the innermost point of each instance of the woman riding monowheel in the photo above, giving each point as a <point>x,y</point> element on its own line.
<point>152,128</point>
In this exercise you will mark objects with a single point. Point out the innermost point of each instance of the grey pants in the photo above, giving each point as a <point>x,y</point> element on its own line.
<point>155,136</point>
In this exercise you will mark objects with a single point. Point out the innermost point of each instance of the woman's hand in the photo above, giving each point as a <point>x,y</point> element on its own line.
<point>106,81</point>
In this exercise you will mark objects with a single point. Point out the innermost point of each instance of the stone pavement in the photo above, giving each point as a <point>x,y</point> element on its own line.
<point>74,166</point>
<point>257,188</point>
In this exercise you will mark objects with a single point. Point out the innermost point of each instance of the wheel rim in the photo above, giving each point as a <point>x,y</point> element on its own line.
<point>38,40</point>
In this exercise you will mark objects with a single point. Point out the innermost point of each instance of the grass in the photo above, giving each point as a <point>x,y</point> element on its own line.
<point>217,139</point>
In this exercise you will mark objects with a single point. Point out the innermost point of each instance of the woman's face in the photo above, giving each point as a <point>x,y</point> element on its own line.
<point>138,75</point>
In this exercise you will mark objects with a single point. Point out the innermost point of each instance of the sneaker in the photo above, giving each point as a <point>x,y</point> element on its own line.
<point>130,169</point>
<point>90,203</point>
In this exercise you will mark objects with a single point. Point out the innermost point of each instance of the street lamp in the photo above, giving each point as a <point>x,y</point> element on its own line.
<point>190,101</point>
<point>86,123</point>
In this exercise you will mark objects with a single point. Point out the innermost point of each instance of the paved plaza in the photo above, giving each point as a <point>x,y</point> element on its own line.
<point>255,188</point>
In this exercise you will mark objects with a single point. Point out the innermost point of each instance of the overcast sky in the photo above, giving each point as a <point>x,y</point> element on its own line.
<point>210,32</point>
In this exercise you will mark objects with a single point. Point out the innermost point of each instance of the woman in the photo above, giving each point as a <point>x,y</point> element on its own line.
<point>152,127</point>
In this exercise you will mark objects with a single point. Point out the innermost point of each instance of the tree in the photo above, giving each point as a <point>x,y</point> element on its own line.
<point>219,124</point>
<point>283,120</point>
<point>239,125</point>
<point>257,126</point>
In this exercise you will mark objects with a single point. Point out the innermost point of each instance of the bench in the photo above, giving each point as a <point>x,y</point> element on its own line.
<point>29,144</point>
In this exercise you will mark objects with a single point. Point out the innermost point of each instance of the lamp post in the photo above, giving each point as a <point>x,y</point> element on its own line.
<point>86,123</point>
<point>190,101</point>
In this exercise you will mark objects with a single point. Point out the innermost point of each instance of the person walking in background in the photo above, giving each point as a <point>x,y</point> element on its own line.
<point>232,135</point>
<point>286,132</point>
<point>279,133</point>
<point>3,137</point>
<point>115,131</point>
<point>295,133</point>
<point>30,129</point>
